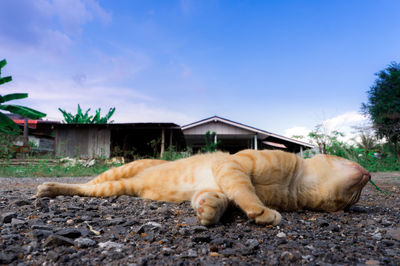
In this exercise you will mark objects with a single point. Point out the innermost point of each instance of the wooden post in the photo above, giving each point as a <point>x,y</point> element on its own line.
<point>255,142</point>
<point>215,138</point>
<point>25,139</point>
<point>162,142</point>
<point>301,152</point>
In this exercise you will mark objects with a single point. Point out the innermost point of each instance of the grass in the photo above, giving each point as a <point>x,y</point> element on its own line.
<point>48,170</point>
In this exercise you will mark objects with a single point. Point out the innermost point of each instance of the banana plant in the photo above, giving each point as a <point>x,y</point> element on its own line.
<point>7,125</point>
<point>85,118</point>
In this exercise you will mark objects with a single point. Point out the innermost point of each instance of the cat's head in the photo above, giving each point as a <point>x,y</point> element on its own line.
<point>338,181</point>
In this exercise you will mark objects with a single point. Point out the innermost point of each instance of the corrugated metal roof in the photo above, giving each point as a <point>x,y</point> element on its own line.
<point>243,126</point>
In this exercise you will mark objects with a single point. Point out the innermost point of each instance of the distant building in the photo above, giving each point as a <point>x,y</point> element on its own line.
<point>127,139</point>
<point>235,136</point>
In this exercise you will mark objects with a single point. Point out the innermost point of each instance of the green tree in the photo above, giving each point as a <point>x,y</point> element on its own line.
<point>85,118</point>
<point>7,125</point>
<point>210,146</point>
<point>383,105</point>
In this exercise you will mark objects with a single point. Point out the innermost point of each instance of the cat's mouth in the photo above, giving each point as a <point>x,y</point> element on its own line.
<point>358,188</point>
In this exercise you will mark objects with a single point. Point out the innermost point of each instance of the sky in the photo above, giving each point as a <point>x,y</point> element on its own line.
<point>280,66</point>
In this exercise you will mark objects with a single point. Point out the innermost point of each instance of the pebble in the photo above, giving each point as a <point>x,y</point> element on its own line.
<point>111,245</point>
<point>16,222</point>
<point>7,217</point>
<point>56,240</point>
<point>84,242</point>
<point>394,233</point>
<point>287,256</point>
<point>281,235</point>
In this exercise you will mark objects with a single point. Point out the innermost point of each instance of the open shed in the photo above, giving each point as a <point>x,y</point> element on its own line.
<point>124,139</point>
<point>234,136</point>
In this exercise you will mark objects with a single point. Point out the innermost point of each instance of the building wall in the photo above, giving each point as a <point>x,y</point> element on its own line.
<point>219,128</point>
<point>83,142</point>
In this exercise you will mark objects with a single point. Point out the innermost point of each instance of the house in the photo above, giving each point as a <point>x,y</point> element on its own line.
<point>38,135</point>
<point>234,136</point>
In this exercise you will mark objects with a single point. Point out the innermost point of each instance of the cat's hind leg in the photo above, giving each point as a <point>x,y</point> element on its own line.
<point>126,171</point>
<point>104,189</point>
<point>209,205</point>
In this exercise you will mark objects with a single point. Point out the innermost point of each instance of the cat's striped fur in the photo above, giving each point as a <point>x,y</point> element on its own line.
<point>259,182</point>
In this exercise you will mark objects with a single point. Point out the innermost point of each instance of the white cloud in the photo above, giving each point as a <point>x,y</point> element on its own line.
<point>131,105</point>
<point>344,123</point>
<point>44,26</point>
<point>296,131</point>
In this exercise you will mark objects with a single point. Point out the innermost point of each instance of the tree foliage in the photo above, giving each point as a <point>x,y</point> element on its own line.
<point>85,118</point>
<point>210,146</point>
<point>7,125</point>
<point>384,105</point>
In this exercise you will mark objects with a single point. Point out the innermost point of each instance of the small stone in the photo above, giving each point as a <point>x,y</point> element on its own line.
<point>167,251</point>
<point>228,252</point>
<point>394,233</point>
<point>52,255</point>
<point>16,222</point>
<point>214,254</point>
<point>199,228</point>
<point>281,235</point>
<point>56,240</point>
<point>377,236</point>
<point>148,227</point>
<point>201,238</point>
<point>40,234</point>
<point>224,242</point>
<point>6,258</point>
<point>111,245</point>
<point>117,221</point>
<point>252,243</point>
<point>386,223</point>
<point>191,253</point>
<point>41,227</point>
<point>7,217</point>
<point>20,203</point>
<point>69,232</point>
<point>323,223</point>
<point>245,251</point>
<point>287,256</point>
<point>69,222</point>
<point>84,242</point>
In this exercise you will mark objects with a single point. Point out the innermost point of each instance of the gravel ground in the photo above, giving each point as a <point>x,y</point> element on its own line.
<point>131,231</point>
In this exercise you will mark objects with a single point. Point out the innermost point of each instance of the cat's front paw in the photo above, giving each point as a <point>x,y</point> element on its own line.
<point>210,206</point>
<point>266,216</point>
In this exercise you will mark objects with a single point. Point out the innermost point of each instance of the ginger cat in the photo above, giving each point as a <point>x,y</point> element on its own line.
<point>259,182</point>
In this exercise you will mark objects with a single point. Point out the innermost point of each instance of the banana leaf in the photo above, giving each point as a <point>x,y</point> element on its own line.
<point>5,80</point>
<point>13,96</point>
<point>7,125</point>
<point>3,63</point>
<point>23,111</point>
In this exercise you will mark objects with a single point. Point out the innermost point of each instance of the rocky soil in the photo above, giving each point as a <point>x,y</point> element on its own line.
<point>131,231</point>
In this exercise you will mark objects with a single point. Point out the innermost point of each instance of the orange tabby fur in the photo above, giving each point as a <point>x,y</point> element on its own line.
<point>259,182</point>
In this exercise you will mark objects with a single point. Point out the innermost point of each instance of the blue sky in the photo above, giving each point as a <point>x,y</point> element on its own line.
<point>282,66</point>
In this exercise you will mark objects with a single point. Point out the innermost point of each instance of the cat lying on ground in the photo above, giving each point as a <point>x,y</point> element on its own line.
<point>259,182</point>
